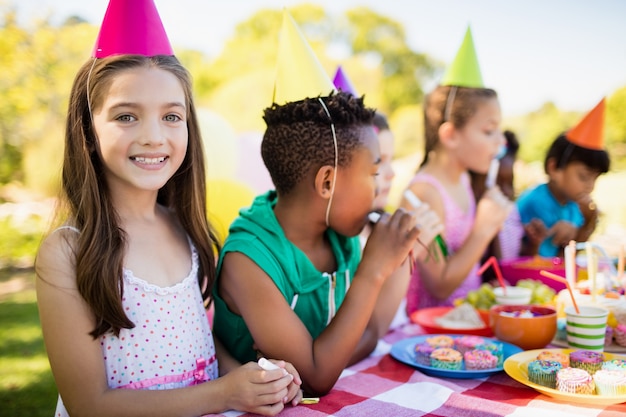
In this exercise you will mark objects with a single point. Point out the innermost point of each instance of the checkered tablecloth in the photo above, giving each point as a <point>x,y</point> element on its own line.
<point>380,386</point>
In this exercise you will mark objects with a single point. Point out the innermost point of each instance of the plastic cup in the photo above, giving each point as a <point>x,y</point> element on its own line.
<point>586,330</point>
<point>513,296</point>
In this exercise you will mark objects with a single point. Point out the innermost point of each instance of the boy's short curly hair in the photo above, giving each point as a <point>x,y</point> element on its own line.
<point>565,152</point>
<point>299,138</point>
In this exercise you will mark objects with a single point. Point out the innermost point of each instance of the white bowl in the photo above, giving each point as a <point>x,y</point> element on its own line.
<point>513,296</point>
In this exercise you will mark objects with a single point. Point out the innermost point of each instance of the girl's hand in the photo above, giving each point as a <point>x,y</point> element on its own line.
<point>295,393</point>
<point>253,389</point>
<point>389,244</point>
<point>491,212</point>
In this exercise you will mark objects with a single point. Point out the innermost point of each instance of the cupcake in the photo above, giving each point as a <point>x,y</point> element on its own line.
<point>608,336</point>
<point>574,381</point>
<point>466,343</point>
<point>446,358</point>
<point>496,350</point>
<point>552,355</point>
<point>586,359</point>
<point>440,341</point>
<point>619,334</point>
<point>479,359</point>
<point>543,372</point>
<point>614,365</point>
<point>422,353</point>
<point>610,382</point>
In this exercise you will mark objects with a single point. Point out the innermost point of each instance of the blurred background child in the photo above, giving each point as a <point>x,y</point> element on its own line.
<point>508,242</point>
<point>562,209</point>
<point>462,132</point>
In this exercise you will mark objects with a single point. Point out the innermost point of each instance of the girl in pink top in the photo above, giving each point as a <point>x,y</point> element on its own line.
<point>122,285</point>
<point>462,133</point>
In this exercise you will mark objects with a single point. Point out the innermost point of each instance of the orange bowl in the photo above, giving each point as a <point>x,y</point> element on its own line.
<point>526,332</point>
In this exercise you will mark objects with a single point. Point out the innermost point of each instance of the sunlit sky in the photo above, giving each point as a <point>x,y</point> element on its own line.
<point>570,52</point>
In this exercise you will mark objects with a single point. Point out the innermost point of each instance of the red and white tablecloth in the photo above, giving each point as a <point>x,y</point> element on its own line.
<point>380,386</point>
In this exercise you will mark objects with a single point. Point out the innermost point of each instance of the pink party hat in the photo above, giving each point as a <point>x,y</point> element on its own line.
<point>132,27</point>
<point>342,82</point>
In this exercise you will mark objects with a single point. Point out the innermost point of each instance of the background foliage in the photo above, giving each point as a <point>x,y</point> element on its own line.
<point>40,60</point>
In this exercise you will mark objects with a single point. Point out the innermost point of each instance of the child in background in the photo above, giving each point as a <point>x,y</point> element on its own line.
<point>561,210</point>
<point>462,129</point>
<point>507,244</point>
<point>292,281</point>
<point>121,285</point>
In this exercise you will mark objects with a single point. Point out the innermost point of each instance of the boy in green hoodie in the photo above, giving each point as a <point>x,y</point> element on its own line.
<point>292,282</point>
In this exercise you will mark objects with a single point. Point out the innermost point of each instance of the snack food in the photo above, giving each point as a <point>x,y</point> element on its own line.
<point>462,317</point>
<point>496,350</point>
<point>614,365</point>
<point>422,353</point>
<point>440,341</point>
<point>466,343</point>
<point>575,381</point>
<point>608,336</point>
<point>587,360</point>
<point>446,358</point>
<point>610,382</point>
<point>543,372</point>
<point>619,334</point>
<point>479,359</point>
<point>560,357</point>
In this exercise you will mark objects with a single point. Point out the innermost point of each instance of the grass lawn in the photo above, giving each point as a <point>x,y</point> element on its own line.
<point>27,388</point>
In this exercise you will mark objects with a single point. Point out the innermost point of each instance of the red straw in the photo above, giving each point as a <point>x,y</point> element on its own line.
<point>494,262</point>
<point>564,281</point>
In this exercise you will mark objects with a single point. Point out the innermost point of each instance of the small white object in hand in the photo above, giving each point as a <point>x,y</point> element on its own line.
<point>374,217</point>
<point>412,199</point>
<point>267,365</point>
<point>492,174</point>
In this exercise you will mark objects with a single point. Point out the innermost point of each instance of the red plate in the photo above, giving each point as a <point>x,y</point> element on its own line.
<point>426,318</point>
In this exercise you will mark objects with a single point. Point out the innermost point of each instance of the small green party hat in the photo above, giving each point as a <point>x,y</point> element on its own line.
<point>464,70</point>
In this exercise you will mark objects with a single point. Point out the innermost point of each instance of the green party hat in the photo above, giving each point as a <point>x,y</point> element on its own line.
<point>464,71</point>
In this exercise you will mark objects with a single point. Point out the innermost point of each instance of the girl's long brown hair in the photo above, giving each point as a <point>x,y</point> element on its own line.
<point>101,246</point>
<point>463,102</point>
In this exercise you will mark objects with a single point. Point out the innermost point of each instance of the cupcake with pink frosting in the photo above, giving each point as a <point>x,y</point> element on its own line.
<point>574,381</point>
<point>480,359</point>
<point>619,334</point>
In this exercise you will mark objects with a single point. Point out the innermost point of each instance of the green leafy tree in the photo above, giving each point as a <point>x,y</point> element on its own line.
<point>372,47</point>
<point>38,64</point>
<point>538,129</point>
<point>616,128</point>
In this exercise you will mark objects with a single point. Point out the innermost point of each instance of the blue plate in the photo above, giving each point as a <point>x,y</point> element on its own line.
<point>404,351</point>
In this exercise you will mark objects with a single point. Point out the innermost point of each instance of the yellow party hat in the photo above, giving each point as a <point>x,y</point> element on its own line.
<point>464,70</point>
<point>299,74</point>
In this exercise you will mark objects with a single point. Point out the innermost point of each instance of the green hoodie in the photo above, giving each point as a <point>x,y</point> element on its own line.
<point>314,296</point>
